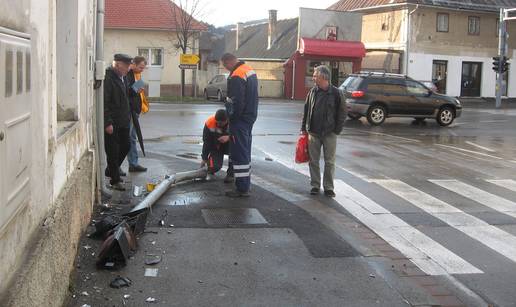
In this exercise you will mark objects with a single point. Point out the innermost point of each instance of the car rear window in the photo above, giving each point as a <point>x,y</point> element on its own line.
<point>351,83</point>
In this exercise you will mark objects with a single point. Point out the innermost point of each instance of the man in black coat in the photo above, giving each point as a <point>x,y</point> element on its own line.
<point>116,117</point>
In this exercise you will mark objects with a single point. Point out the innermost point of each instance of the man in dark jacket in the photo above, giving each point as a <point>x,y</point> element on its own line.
<point>323,120</point>
<point>136,95</point>
<point>215,137</point>
<point>116,117</point>
<point>242,108</point>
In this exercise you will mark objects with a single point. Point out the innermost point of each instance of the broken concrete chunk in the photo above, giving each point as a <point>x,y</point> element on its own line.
<point>152,259</point>
<point>120,282</point>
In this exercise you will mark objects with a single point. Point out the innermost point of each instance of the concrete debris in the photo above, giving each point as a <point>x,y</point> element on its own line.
<point>127,296</point>
<point>152,259</point>
<point>151,300</point>
<point>151,273</point>
<point>252,242</point>
<point>84,293</point>
<point>120,282</point>
<point>137,191</point>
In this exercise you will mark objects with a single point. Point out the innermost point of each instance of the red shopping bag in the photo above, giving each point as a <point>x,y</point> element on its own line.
<point>302,149</point>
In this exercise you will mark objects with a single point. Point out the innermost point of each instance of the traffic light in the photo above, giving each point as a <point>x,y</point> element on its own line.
<point>505,64</point>
<point>496,63</point>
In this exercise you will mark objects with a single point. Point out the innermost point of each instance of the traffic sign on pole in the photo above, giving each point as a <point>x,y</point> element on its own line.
<point>189,59</point>
<point>187,66</point>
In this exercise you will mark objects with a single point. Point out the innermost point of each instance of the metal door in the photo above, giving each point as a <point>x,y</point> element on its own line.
<point>471,79</point>
<point>15,115</point>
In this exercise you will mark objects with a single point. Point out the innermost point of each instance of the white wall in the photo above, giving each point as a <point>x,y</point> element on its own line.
<point>420,68</point>
<point>54,157</point>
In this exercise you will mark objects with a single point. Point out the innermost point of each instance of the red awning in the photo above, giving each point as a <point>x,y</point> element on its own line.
<point>341,49</point>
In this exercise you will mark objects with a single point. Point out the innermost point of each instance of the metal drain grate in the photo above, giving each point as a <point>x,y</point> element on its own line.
<point>233,216</point>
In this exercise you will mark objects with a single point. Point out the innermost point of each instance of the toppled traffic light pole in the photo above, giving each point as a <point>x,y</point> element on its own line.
<point>119,232</point>
<point>166,184</point>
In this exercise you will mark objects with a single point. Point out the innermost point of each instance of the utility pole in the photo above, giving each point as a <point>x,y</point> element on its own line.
<point>502,33</point>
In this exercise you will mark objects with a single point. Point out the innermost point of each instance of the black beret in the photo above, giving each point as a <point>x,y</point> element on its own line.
<point>120,57</point>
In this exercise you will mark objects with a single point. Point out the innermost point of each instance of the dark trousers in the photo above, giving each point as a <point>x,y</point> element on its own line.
<point>241,142</point>
<point>216,159</point>
<point>117,146</point>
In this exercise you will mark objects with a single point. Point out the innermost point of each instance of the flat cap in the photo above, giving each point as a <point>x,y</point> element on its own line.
<point>120,57</point>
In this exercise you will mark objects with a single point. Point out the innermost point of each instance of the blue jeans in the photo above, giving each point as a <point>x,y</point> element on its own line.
<point>132,156</point>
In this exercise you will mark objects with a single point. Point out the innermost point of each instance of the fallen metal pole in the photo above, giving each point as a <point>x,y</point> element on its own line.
<point>166,184</point>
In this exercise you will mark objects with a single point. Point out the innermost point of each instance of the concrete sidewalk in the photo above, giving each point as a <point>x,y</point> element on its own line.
<point>260,251</point>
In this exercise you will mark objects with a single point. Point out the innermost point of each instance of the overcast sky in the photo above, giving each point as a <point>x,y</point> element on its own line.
<point>224,12</point>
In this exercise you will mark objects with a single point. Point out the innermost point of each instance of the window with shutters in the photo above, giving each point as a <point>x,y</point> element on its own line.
<point>442,22</point>
<point>473,25</point>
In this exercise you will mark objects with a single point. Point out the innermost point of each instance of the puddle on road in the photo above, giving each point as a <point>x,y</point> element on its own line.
<point>186,199</point>
<point>192,141</point>
<point>189,155</point>
<point>364,154</point>
<point>287,142</point>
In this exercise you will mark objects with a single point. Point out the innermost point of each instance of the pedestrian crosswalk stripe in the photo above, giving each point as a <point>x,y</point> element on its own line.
<point>508,184</point>
<point>427,254</point>
<point>431,257</point>
<point>491,236</point>
<point>482,197</point>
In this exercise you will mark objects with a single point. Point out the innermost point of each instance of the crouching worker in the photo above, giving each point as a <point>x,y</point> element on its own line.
<point>215,138</point>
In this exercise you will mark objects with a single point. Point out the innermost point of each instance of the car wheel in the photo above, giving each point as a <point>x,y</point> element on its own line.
<point>354,116</point>
<point>376,115</point>
<point>206,95</point>
<point>445,116</point>
<point>219,96</point>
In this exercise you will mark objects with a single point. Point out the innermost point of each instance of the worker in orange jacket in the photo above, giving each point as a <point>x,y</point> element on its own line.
<point>216,138</point>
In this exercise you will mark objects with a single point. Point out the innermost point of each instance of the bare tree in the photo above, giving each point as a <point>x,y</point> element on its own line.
<point>186,14</point>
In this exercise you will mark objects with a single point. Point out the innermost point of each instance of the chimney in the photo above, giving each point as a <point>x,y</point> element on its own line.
<point>273,20</point>
<point>238,34</point>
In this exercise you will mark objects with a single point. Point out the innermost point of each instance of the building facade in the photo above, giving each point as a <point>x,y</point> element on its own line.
<point>150,30</point>
<point>449,43</point>
<point>46,145</point>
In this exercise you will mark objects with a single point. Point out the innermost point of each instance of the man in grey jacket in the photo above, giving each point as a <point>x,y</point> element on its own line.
<point>323,119</point>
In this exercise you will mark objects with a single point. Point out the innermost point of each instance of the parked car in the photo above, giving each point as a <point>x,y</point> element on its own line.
<point>378,96</point>
<point>217,87</point>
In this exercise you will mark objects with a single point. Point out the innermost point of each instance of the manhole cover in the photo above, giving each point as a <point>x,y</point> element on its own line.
<point>234,216</point>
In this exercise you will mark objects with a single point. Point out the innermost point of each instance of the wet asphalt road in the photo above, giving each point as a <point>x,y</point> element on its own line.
<point>445,197</point>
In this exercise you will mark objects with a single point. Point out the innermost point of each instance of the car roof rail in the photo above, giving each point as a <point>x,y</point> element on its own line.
<point>383,74</point>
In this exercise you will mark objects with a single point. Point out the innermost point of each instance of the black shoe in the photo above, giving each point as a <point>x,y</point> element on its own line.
<point>329,193</point>
<point>237,194</point>
<point>229,179</point>
<point>314,191</point>
<point>117,186</point>
<point>137,169</point>
<point>106,172</point>
<point>121,172</point>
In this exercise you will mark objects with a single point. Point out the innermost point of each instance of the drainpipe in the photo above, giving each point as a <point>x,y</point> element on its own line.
<point>407,41</point>
<point>293,79</point>
<point>99,98</point>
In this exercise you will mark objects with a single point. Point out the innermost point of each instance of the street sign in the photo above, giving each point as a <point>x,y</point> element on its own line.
<point>189,59</point>
<point>187,66</point>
